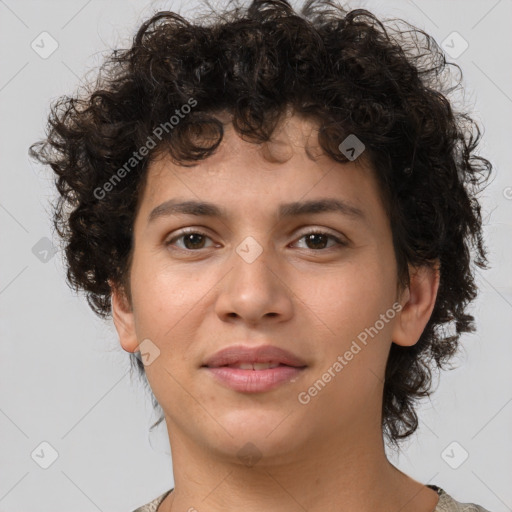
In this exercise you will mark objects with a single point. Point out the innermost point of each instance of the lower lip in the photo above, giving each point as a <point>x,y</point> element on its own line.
<point>255,381</point>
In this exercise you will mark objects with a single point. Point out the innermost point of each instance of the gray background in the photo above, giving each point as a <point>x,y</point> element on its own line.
<point>65,380</point>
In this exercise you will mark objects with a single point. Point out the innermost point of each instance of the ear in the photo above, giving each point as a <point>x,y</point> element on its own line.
<point>122,315</point>
<point>417,302</point>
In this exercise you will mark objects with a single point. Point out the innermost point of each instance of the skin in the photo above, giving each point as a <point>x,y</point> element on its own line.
<point>195,297</point>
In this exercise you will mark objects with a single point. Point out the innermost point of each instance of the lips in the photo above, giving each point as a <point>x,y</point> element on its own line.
<point>254,370</point>
<point>253,366</point>
<point>255,358</point>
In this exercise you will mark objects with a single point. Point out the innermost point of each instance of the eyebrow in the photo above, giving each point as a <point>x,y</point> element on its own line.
<point>287,210</point>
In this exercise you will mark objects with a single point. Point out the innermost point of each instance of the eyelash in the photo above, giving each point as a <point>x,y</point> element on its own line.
<point>338,241</point>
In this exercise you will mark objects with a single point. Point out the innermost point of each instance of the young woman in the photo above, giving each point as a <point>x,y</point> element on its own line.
<point>278,210</point>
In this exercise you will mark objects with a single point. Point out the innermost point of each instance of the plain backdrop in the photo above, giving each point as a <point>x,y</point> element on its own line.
<point>65,387</point>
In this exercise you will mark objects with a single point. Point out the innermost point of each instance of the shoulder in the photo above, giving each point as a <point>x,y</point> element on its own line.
<point>448,504</point>
<point>152,505</point>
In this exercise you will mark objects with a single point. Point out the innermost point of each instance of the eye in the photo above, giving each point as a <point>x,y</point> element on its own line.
<point>192,239</point>
<point>318,239</point>
<point>195,240</point>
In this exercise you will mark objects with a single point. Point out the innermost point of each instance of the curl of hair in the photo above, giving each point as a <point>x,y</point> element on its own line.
<point>347,71</point>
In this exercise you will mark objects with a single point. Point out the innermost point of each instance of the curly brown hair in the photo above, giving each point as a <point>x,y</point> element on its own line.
<point>387,82</point>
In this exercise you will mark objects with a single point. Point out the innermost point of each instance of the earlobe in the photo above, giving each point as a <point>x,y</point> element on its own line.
<point>122,315</point>
<point>419,301</point>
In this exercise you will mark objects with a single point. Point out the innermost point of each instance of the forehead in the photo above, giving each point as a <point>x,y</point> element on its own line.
<point>241,174</point>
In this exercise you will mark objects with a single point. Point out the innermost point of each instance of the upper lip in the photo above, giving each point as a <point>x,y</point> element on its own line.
<point>263,354</point>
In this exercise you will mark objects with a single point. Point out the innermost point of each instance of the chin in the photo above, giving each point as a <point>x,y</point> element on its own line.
<point>256,450</point>
<point>265,432</point>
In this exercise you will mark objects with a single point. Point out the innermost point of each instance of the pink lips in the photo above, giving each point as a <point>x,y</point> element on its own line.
<point>254,380</point>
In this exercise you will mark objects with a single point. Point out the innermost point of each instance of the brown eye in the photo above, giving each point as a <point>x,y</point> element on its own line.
<point>317,240</point>
<point>191,240</point>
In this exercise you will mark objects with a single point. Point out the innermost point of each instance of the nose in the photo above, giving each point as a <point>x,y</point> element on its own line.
<point>255,290</point>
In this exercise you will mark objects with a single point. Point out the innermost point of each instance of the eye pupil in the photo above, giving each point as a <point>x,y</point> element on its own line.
<point>313,236</point>
<point>193,237</point>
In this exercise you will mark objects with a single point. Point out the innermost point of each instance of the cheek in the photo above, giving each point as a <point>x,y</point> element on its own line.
<point>345,308</point>
<point>163,295</point>
<point>351,294</point>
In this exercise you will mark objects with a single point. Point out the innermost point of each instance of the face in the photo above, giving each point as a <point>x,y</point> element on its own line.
<point>315,283</point>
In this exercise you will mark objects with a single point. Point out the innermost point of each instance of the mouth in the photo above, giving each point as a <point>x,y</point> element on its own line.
<point>252,380</point>
<point>254,358</point>
<point>254,370</point>
<point>252,366</point>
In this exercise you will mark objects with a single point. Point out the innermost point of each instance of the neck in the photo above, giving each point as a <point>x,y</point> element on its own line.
<point>348,473</point>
